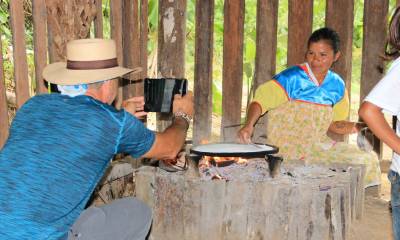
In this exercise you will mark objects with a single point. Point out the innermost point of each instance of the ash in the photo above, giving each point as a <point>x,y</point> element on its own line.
<point>253,170</point>
<point>256,169</point>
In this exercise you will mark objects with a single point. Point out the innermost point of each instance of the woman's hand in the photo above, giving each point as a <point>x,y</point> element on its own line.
<point>245,133</point>
<point>135,106</point>
<point>345,127</point>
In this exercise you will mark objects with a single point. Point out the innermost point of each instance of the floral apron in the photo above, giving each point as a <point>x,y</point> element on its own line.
<point>299,130</point>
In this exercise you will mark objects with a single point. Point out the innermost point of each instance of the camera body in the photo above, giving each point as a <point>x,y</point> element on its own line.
<point>159,93</point>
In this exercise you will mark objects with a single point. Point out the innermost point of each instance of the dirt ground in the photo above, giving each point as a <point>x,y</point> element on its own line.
<point>376,223</point>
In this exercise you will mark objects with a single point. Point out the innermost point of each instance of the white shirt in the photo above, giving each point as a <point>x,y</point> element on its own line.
<point>386,95</point>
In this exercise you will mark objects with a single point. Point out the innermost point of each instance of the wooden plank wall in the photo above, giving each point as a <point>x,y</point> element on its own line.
<point>232,73</point>
<point>375,15</point>
<point>203,70</point>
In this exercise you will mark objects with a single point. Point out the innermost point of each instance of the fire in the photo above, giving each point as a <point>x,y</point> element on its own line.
<point>207,161</point>
<point>210,164</point>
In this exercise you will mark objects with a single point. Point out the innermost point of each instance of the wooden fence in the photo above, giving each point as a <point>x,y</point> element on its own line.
<point>57,21</point>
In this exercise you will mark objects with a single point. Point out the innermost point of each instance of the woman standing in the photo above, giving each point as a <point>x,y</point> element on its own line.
<point>306,101</point>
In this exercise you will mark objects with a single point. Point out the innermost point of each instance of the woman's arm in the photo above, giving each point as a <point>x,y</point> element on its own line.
<point>373,117</point>
<point>253,114</point>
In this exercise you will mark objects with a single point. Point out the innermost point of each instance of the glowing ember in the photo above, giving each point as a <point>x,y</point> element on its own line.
<point>213,167</point>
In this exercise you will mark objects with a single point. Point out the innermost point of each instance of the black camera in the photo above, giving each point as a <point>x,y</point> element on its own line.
<point>159,93</point>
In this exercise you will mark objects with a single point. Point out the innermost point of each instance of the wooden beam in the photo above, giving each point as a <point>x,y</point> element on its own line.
<point>266,44</point>
<point>374,36</point>
<point>299,29</point>
<point>20,62</point>
<point>98,21</point>
<point>203,70</point>
<point>131,45</point>
<point>116,34</point>
<point>340,17</point>
<point>232,77</point>
<point>3,104</point>
<point>144,8</point>
<point>39,42</point>
<point>267,27</point>
<point>171,38</point>
<point>171,44</point>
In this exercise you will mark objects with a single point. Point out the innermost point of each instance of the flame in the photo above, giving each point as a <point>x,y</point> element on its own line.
<point>207,160</point>
<point>241,161</point>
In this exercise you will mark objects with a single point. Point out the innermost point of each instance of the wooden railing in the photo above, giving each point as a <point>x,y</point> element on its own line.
<point>54,24</point>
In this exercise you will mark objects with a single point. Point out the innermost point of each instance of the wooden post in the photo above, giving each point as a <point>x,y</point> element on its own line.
<point>340,17</point>
<point>98,21</point>
<point>171,45</point>
<point>116,33</point>
<point>40,42</point>
<point>232,77</point>
<point>375,22</point>
<point>265,65</point>
<point>299,29</point>
<point>20,62</point>
<point>267,27</point>
<point>144,8</point>
<point>131,45</point>
<point>3,104</point>
<point>203,70</point>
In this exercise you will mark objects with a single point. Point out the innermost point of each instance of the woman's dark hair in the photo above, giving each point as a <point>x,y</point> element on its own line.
<point>326,34</point>
<point>392,50</point>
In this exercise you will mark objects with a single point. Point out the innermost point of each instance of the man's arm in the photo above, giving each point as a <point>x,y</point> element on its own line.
<point>168,143</point>
<point>374,118</point>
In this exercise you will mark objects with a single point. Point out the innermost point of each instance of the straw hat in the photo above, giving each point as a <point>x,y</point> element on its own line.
<point>88,61</point>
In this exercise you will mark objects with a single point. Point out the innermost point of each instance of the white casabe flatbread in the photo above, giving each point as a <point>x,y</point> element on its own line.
<point>232,148</point>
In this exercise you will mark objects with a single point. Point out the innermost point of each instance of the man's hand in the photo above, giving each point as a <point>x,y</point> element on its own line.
<point>135,106</point>
<point>183,104</point>
<point>168,143</point>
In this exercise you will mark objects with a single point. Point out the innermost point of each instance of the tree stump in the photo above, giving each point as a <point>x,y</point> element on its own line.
<point>288,207</point>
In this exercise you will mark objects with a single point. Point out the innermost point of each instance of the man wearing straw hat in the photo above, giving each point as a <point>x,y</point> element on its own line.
<point>60,145</point>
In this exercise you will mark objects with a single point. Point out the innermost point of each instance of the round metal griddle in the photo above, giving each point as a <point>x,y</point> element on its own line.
<point>252,150</point>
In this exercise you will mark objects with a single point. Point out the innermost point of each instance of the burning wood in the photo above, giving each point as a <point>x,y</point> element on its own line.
<point>233,168</point>
<point>214,167</point>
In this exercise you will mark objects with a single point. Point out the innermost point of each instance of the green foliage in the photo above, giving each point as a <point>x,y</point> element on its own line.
<point>217,98</point>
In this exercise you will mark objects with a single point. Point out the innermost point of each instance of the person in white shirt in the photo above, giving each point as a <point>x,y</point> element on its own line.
<point>384,98</point>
